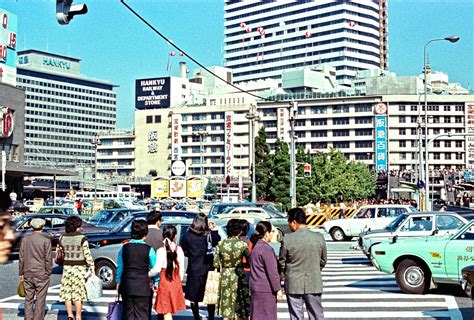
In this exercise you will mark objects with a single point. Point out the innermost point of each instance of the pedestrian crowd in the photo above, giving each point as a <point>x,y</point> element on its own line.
<point>151,267</point>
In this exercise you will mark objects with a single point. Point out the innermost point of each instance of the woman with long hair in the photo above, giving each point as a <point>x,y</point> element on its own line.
<point>77,261</point>
<point>198,244</point>
<point>234,300</point>
<point>265,288</point>
<point>170,265</point>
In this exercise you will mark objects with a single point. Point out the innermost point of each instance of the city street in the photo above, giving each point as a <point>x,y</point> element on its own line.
<point>353,289</point>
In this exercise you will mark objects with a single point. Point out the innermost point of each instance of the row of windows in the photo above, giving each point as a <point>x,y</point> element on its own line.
<point>63,145</point>
<point>66,102</point>
<point>434,119</point>
<point>403,131</point>
<point>118,141</point>
<point>153,119</point>
<point>57,137</point>
<point>65,130</point>
<point>69,116</point>
<point>288,12</point>
<point>448,108</point>
<point>436,143</point>
<point>67,95</point>
<point>72,123</point>
<point>364,107</point>
<point>35,159</point>
<point>436,156</point>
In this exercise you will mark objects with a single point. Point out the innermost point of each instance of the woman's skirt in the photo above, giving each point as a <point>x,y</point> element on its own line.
<point>195,288</point>
<point>170,297</point>
<point>263,305</point>
<point>73,284</point>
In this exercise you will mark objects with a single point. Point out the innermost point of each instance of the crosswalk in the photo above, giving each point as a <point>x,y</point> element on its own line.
<point>353,289</point>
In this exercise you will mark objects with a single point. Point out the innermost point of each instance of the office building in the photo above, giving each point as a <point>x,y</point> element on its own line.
<point>64,109</point>
<point>263,38</point>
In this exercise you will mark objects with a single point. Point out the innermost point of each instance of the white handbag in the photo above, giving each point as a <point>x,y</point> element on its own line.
<point>94,288</point>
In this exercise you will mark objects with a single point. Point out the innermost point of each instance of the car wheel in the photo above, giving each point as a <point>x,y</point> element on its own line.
<point>412,277</point>
<point>337,234</point>
<point>106,271</point>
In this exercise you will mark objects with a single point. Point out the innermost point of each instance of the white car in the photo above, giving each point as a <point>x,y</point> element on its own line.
<point>371,217</point>
<point>419,224</point>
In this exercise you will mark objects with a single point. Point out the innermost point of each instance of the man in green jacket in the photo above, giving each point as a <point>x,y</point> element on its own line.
<point>303,254</point>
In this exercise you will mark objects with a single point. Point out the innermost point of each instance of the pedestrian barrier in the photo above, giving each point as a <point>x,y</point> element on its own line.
<point>328,214</point>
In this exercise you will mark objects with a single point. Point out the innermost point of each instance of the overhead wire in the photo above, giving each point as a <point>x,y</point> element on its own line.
<point>187,55</point>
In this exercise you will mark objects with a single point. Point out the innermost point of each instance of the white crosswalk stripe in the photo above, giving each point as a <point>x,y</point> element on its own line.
<point>353,289</point>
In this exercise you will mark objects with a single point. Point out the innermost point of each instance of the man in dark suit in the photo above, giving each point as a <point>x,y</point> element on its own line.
<point>35,269</point>
<point>303,254</point>
<point>155,235</point>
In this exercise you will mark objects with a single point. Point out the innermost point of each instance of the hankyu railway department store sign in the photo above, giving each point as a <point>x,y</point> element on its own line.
<point>152,93</point>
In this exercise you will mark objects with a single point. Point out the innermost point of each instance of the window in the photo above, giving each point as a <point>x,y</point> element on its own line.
<point>366,213</point>
<point>340,144</point>
<point>413,132</point>
<point>340,121</point>
<point>435,119</point>
<point>157,119</point>
<point>300,123</point>
<point>413,119</point>
<point>340,133</point>
<point>363,144</point>
<point>458,144</point>
<point>448,222</point>
<point>340,109</point>
<point>319,110</point>
<point>363,108</point>
<point>447,108</point>
<point>436,144</point>
<point>418,224</point>
<point>401,108</point>
<point>459,108</point>
<point>436,131</point>
<point>447,144</point>
<point>447,156</point>
<point>436,156</point>
<point>458,119</point>
<point>402,156</point>
<point>315,133</point>
<point>319,122</point>
<point>363,120</point>
<point>447,119</point>
<point>363,132</point>
<point>414,143</point>
<point>459,156</point>
<point>402,144</point>
<point>414,108</point>
<point>401,119</point>
<point>402,132</point>
<point>319,145</point>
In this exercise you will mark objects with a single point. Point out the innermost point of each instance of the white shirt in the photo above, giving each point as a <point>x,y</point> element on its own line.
<point>161,261</point>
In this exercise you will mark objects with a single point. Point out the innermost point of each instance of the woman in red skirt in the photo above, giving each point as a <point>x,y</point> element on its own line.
<point>170,265</point>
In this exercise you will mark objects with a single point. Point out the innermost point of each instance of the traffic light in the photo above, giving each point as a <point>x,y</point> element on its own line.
<point>65,10</point>
<point>307,170</point>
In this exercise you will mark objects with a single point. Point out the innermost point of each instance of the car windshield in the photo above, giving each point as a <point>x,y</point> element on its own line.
<point>273,213</point>
<point>392,226</point>
<point>102,215</point>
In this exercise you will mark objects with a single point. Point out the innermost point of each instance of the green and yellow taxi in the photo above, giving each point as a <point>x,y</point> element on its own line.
<point>421,263</point>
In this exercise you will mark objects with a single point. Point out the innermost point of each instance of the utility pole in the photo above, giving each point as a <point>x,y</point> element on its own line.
<point>293,112</point>
<point>95,142</point>
<point>252,116</point>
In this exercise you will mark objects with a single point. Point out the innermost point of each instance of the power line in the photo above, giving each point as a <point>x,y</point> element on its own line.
<point>187,55</point>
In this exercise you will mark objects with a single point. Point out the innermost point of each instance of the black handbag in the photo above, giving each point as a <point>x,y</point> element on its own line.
<point>59,259</point>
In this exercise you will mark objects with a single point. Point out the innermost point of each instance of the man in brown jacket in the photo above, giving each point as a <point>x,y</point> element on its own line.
<point>35,269</point>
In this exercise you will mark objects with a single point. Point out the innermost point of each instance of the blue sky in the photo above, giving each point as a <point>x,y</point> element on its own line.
<point>115,46</point>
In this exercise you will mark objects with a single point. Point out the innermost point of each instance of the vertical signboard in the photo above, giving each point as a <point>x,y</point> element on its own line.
<point>176,137</point>
<point>381,143</point>
<point>229,144</point>
<point>283,124</point>
<point>8,31</point>
<point>470,140</point>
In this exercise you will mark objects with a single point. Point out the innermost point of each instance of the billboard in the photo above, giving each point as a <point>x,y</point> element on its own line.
<point>152,93</point>
<point>195,188</point>
<point>8,31</point>
<point>380,143</point>
<point>178,188</point>
<point>160,188</point>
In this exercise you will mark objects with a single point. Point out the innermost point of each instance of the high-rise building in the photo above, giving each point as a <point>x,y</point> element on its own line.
<point>263,38</point>
<point>64,109</point>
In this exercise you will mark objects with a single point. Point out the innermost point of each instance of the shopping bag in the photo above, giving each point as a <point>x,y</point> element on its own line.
<point>211,293</point>
<point>115,310</point>
<point>21,289</point>
<point>94,288</point>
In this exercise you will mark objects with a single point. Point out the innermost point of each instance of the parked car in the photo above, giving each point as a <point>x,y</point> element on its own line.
<point>58,209</point>
<point>467,281</point>
<point>218,208</point>
<point>424,262</point>
<point>105,258</point>
<point>109,218</point>
<point>371,217</point>
<point>413,224</point>
<point>255,214</point>
<point>53,228</point>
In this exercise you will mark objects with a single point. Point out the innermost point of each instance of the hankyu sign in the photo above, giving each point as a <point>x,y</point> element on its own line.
<point>381,143</point>
<point>47,61</point>
<point>152,93</point>
<point>152,142</point>
<point>176,137</point>
<point>380,108</point>
<point>229,145</point>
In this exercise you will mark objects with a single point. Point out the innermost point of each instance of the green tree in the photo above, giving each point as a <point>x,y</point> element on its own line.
<point>210,192</point>
<point>263,166</point>
<point>280,177</point>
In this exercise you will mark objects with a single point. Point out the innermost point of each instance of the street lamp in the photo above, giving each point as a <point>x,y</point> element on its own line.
<point>252,116</point>
<point>95,142</point>
<point>451,39</point>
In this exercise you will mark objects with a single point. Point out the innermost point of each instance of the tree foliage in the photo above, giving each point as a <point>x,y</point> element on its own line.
<point>263,165</point>
<point>211,190</point>
<point>280,175</point>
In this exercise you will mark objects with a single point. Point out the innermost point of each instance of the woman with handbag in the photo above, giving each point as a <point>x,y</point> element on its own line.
<point>265,284</point>
<point>198,245</point>
<point>77,261</point>
<point>170,265</point>
<point>234,300</point>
